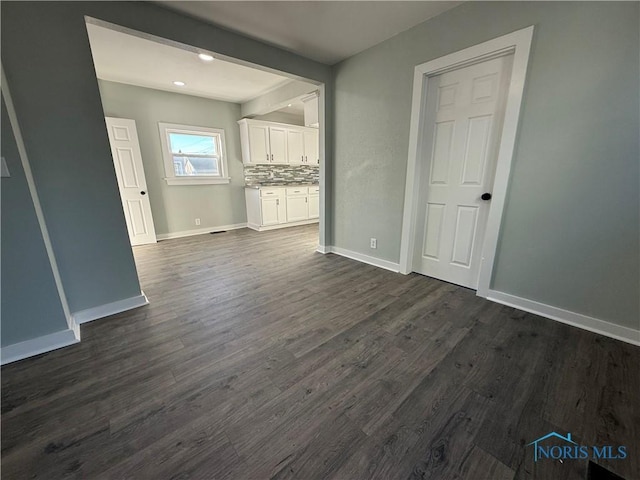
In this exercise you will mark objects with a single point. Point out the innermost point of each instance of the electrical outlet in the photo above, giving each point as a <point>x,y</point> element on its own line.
<point>374,243</point>
<point>197,221</point>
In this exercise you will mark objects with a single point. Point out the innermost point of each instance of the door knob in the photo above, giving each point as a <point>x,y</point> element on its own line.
<point>143,193</point>
<point>486,196</point>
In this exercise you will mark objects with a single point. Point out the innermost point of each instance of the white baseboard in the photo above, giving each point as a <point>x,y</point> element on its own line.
<point>259,228</point>
<point>591,324</point>
<point>102,311</point>
<point>200,231</point>
<point>36,346</point>
<point>323,249</point>
<point>360,257</point>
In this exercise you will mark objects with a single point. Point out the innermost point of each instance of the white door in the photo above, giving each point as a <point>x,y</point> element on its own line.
<point>312,147</point>
<point>259,143</point>
<point>295,146</point>
<point>462,132</point>
<point>278,143</point>
<point>127,161</point>
<point>297,209</point>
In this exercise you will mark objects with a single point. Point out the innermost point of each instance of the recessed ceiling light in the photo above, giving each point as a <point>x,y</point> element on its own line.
<point>289,105</point>
<point>204,57</point>
<point>178,83</point>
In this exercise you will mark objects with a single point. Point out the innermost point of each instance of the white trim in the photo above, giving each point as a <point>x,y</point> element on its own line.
<point>112,308</point>
<point>171,177</point>
<point>322,249</point>
<point>200,231</point>
<point>519,43</point>
<point>360,257</point>
<point>262,228</point>
<point>38,345</point>
<point>574,319</point>
<point>202,180</point>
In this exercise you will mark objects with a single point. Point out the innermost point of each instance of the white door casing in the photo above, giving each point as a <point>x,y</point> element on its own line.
<point>517,43</point>
<point>127,160</point>
<point>462,131</point>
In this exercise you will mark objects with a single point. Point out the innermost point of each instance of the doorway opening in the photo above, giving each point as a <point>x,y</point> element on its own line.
<point>175,114</point>
<point>464,122</point>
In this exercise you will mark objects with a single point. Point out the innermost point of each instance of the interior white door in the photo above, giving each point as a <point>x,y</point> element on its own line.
<point>127,160</point>
<point>463,123</point>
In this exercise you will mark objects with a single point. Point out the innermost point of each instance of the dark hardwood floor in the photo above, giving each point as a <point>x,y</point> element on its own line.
<point>259,358</point>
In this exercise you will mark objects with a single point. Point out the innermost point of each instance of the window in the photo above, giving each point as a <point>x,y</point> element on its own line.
<point>193,155</point>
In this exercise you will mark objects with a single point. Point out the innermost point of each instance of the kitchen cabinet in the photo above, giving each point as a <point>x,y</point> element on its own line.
<point>314,202</point>
<point>277,207</point>
<point>311,146</point>
<point>297,204</point>
<point>295,146</point>
<point>278,143</point>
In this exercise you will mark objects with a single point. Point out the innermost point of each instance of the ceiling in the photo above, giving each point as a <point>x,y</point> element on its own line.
<point>125,58</point>
<point>325,31</point>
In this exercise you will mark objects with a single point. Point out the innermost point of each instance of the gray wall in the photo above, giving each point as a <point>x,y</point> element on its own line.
<point>570,231</point>
<point>175,207</point>
<point>30,303</point>
<point>47,60</point>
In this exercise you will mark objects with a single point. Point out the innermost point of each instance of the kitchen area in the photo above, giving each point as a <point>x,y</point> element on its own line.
<point>282,168</point>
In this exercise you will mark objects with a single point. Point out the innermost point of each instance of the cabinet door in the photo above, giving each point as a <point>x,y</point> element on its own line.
<point>278,141</point>
<point>270,211</point>
<point>297,209</point>
<point>259,144</point>
<point>314,206</point>
<point>312,147</point>
<point>295,146</point>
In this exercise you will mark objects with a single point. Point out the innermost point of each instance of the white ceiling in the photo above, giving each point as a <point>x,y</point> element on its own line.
<point>125,58</point>
<point>326,31</point>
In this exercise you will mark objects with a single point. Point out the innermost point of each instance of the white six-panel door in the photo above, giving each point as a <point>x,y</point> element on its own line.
<point>127,160</point>
<point>462,133</point>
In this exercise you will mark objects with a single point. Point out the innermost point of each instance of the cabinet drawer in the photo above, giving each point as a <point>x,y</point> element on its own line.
<point>297,191</point>
<point>314,190</point>
<point>271,192</point>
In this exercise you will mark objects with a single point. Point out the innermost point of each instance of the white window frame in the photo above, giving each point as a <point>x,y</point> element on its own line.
<point>171,177</point>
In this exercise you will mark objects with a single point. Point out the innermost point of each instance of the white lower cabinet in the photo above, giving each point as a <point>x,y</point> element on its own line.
<point>297,208</point>
<point>314,206</point>
<point>273,210</point>
<point>277,207</point>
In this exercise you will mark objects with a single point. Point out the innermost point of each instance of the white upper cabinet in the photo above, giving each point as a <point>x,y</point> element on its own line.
<point>311,146</point>
<point>295,146</point>
<point>257,144</point>
<point>268,142</point>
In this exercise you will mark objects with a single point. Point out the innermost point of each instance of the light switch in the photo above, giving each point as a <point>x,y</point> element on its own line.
<point>5,169</point>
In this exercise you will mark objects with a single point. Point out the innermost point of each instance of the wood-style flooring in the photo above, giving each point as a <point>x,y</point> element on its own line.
<point>259,358</point>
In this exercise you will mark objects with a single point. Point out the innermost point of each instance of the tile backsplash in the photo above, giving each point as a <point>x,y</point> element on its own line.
<point>281,174</point>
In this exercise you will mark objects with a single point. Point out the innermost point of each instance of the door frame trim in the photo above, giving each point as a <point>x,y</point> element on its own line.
<point>518,43</point>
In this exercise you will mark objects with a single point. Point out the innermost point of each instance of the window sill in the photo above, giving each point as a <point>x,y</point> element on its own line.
<point>197,181</point>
